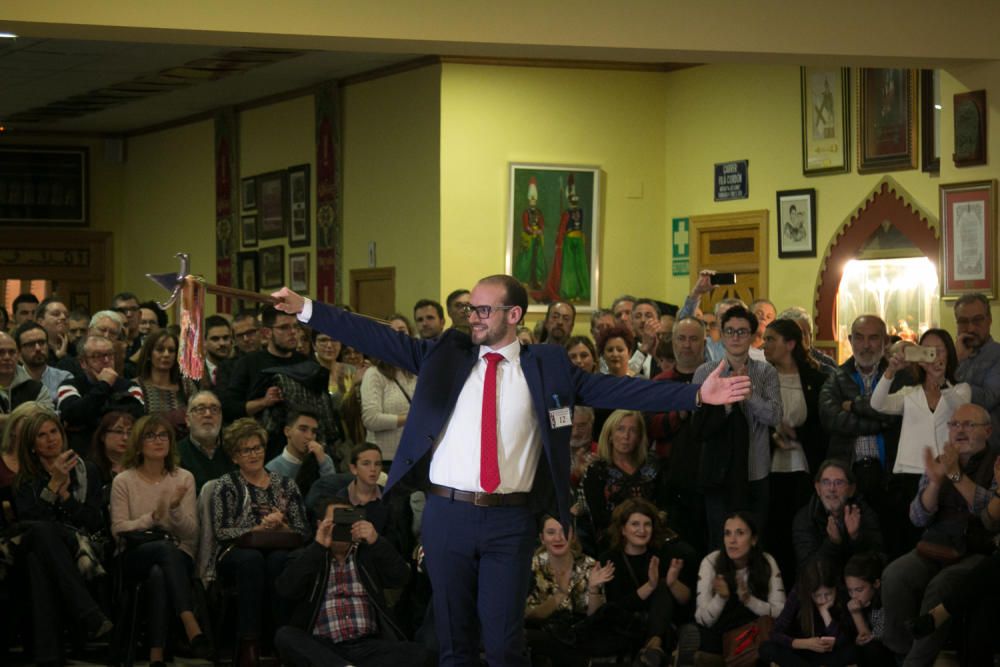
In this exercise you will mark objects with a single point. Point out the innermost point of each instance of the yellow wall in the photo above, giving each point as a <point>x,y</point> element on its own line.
<point>491,116</point>
<point>391,134</point>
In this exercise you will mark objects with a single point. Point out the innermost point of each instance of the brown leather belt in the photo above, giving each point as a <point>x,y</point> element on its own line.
<point>480,498</point>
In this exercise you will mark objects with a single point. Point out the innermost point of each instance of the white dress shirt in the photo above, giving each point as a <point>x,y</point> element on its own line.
<point>455,461</point>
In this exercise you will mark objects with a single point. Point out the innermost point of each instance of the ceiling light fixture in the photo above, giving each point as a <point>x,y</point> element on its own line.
<point>7,35</point>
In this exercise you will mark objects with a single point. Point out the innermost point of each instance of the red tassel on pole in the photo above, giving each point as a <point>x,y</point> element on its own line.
<point>192,313</point>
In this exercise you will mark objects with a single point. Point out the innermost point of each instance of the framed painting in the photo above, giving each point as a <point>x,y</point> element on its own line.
<point>247,272</point>
<point>968,242</point>
<point>272,267</point>
<point>248,230</point>
<point>970,128</point>
<point>298,209</point>
<point>44,185</point>
<point>298,272</point>
<point>887,122</point>
<point>553,225</point>
<point>930,120</point>
<point>272,205</point>
<point>248,193</point>
<point>796,223</point>
<point>826,120</point>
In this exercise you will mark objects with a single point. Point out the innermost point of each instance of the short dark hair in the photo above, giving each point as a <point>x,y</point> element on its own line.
<point>423,303</point>
<point>454,295</point>
<point>515,295</point>
<point>161,315</point>
<point>974,297</point>
<point>740,312</point>
<point>124,296</point>
<point>44,305</point>
<point>269,315</point>
<point>548,311</point>
<point>648,302</point>
<point>321,504</point>
<point>27,297</point>
<point>245,314</point>
<point>24,328</point>
<point>293,415</point>
<point>213,321</point>
<point>839,465</point>
<point>361,448</point>
<point>82,314</point>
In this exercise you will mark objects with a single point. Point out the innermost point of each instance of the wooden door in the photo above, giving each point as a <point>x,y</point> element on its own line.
<point>731,242</point>
<point>373,291</point>
<point>73,265</point>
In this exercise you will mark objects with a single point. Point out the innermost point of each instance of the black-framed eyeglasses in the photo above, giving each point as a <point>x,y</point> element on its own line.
<point>965,424</point>
<point>205,410</point>
<point>729,332</point>
<point>483,312</point>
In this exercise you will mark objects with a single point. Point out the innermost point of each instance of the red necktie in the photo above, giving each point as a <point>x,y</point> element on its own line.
<point>489,468</point>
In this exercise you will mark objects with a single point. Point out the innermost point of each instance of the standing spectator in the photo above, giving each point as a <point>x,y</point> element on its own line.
<point>24,308</point>
<point>151,318</point>
<point>126,304</point>
<point>621,471</point>
<point>954,491</point>
<point>835,524</point>
<point>621,308</point>
<point>566,587</point>
<point>83,400</point>
<point>926,409</point>
<point>736,584</point>
<point>51,314</point>
<point>559,320</point>
<point>201,452</point>
<point>153,494</point>
<point>16,385</point>
<point>32,343</point>
<point>456,303</point>
<point>746,474</point>
<point>385,403</point>
<point>646,327</point>
<point>338,586</point>
<point>246,332</point>
<point>615,347</point>
<point>429,316</point>
<point>766,313</point>
<point>249,502</point>
<point>582,353</point>
<point>218,350</point>
<point>77,324</point>
<point>858,433</point>
<point>801,317</point>
<point>655,576</point>
<point>979,357</point>
<point>164,390</point>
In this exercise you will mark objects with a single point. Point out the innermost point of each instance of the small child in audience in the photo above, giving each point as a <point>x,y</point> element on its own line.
<point>862,575</point>
<point>814,628</point>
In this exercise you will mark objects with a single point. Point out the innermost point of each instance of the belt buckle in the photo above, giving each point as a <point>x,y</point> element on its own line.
<point>482,499</point>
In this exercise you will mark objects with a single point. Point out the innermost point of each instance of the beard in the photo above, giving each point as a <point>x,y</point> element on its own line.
<point>206,435</point>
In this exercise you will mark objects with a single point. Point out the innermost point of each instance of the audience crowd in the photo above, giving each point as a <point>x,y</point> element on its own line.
<point>840,515</point>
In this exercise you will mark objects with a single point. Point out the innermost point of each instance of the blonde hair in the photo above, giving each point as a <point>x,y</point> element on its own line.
<point>11,430</point>
<point>604,442</point>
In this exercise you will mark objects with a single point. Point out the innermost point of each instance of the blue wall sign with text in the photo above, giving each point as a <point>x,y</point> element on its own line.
<point>731,180</point>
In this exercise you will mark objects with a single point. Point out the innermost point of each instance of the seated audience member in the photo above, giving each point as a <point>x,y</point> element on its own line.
<point>365,490</point>
<point>98,390</point>
<point>863,579</point>
<point>32,344</point>
<point>201,451</point>
<point>814,628</point>
<point>337,584</point>
<point>954,490</point>
<point>558,323</point>
<point>858,433</point>
<point>799,440</point>
<point>582,353</point>
<point>385,403</point>
<point>646,327</point>
<point>802,318</point>
<point>153,517</point>
<point>218,350</point>
<point>78,323</point>
<point>57,497</point>
<point>979,357</point>
<point>744,429</point>
<point>582,446</point>
<point>926,409</point>
<point>16,385</point>
<point>246,332</point>
<point>737,584</point>
<point>654,575</point>
<point>257,519</point>
<point>429,317</point>
<point>621,471</point>
<point>615,347</point>
<point>51,314</point>
<point>111,444</point>
<point>300,431</point>
<point>835,524</point>
<point>9,447</point>
<point>245,393</point>
<point>23,308</point>
<point>525,336</point>
<point>164,391</point>
<point>566,588</point>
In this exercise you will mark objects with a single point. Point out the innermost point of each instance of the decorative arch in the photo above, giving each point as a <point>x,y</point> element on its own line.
<point>887,203</point>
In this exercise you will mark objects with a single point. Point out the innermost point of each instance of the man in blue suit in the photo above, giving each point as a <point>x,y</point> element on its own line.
<point>487,437</point>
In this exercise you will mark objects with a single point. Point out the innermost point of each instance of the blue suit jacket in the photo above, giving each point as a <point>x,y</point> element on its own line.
<point>444,365</point>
